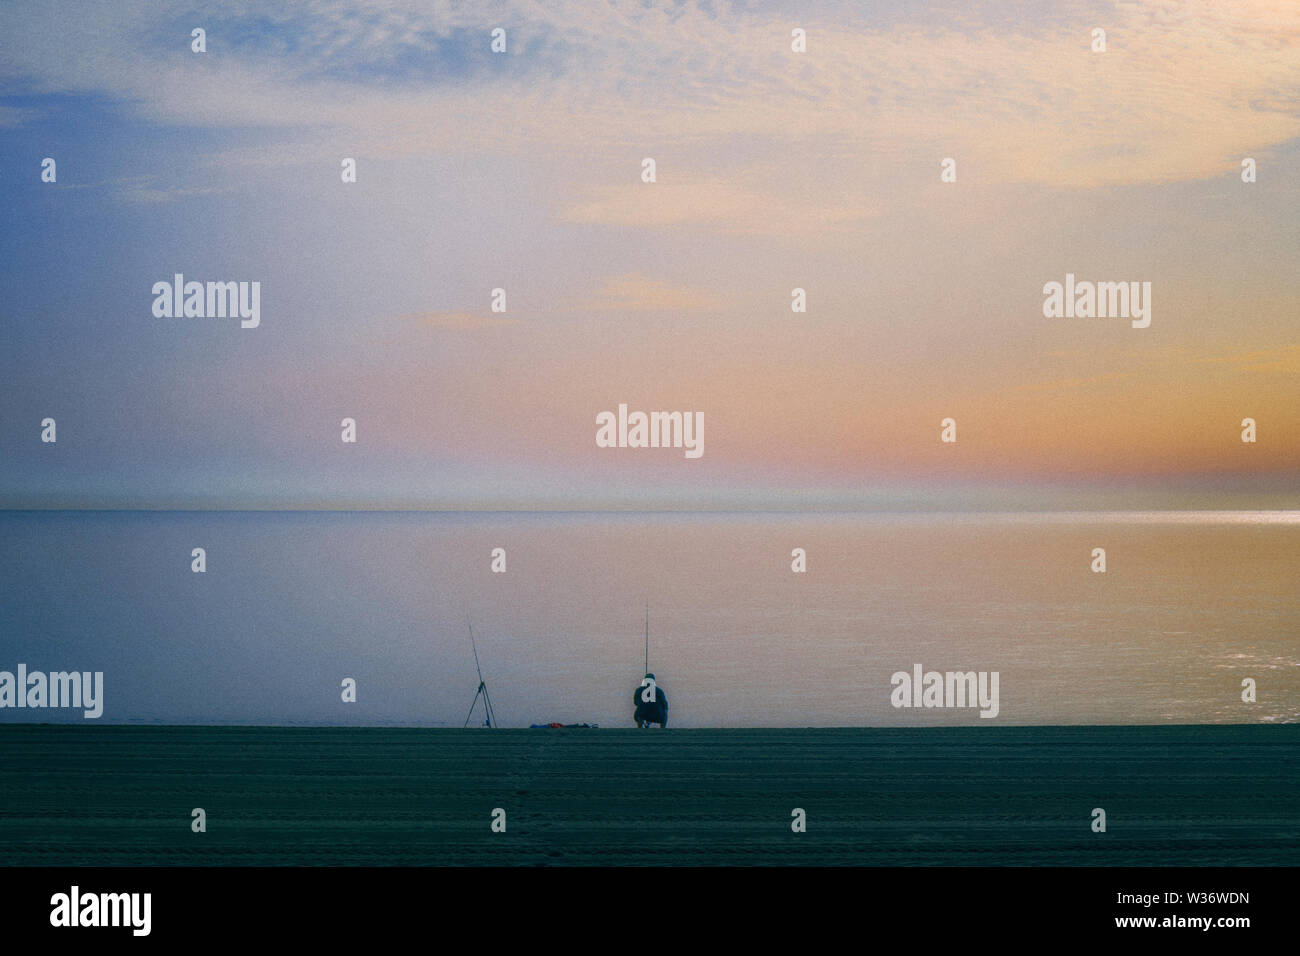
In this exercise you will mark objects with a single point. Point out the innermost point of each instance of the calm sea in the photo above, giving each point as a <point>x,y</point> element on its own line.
<point>292,603</point>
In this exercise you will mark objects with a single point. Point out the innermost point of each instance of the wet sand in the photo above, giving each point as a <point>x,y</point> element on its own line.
<point>105,795</point>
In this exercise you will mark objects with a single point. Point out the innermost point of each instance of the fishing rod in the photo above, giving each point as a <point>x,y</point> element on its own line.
<point>647,637</point>
<point>491,720</point>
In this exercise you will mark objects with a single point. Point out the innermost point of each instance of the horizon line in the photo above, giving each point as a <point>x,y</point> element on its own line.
<point>644,511</point>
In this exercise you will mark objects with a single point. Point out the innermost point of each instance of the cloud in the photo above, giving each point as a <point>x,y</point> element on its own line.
<point>1063,384</point>
<point>456,321</point>
<point>1186,88</point>
<point>12,116</point>
<point>637,293</point>
<point>1284,358</point>
<point>141,189</point>
<point>725,206</point>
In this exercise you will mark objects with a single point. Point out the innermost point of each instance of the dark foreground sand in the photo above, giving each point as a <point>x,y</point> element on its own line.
<point>1214,795</point>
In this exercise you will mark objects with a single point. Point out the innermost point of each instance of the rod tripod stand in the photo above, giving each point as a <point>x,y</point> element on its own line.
<point>490,717</point>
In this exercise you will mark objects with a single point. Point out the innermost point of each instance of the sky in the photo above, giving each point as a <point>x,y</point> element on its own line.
<point>775,170</point>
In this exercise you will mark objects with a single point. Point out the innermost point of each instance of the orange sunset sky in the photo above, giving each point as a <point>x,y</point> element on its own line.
<point>775,170</point>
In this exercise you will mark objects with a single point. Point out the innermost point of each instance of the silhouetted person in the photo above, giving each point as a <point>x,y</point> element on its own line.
<point>651,703</point>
